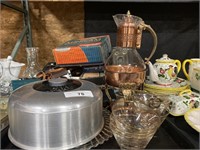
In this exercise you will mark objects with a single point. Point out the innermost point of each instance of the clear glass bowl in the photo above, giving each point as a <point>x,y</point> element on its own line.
<point>134,121</point>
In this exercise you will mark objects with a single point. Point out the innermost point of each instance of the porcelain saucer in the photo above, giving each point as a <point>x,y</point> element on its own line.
<point>192,117</point>
<point>179,84</point>
<point>161,92</point>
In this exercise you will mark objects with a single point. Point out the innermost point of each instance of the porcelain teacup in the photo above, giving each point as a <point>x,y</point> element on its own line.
<point>193,72</point>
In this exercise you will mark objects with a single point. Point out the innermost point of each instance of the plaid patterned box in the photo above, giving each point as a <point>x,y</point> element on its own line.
<point>87,50</point>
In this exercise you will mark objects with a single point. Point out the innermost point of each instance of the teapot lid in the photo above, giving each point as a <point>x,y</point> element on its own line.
<point>165,58</point>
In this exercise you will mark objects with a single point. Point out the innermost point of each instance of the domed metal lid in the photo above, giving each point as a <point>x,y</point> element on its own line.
<point>55,96</point>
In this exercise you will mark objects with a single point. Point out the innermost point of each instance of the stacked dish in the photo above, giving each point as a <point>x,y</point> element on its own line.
<point>177,86</point>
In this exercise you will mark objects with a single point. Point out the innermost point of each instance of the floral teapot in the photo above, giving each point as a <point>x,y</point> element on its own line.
<point>164,71</point>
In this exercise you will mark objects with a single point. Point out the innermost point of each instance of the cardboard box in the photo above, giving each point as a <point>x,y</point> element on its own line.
<point>87,50</point>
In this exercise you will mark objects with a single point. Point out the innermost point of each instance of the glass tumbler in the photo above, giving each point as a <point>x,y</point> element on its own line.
<point>32,68</point>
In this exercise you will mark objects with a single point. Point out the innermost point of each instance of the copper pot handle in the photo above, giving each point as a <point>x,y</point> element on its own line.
<point>143,26</point>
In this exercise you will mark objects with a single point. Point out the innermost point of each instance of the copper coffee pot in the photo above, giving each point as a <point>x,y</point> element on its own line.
<point>125,69</point>
<point>129,31</point>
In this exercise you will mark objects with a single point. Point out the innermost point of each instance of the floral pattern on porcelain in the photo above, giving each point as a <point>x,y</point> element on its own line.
<point>167,69</point>
<point>197,76</point>
<point>195,79</point>
<point>184,102</point>
<point>167,73</point>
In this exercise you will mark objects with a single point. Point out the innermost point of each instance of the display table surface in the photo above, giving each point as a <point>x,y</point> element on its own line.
<point>174,133</point>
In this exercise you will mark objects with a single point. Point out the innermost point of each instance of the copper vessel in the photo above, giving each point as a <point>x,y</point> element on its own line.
<point>125,69</point>
<point>129,31</point>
